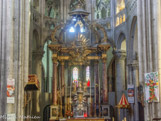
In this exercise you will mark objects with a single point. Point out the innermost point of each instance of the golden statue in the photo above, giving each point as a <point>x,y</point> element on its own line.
<point>85,86</point>
<point>80,84</point>
<point>74,87</point>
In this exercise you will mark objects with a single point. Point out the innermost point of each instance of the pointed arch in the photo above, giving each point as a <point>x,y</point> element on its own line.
<point>133,44</point>
<point>121,43</point>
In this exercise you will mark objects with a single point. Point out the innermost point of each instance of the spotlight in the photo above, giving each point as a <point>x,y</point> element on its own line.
<point>82,30</point>
<point>71,29</point>
<point>74,19</point>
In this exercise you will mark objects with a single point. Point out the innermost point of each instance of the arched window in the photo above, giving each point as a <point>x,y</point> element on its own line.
<point>120,6</point>
<point>75,75</point>
<point>103,8</point>
<point>47,67</point>
<point>87,73</point>
<point>88,76</point>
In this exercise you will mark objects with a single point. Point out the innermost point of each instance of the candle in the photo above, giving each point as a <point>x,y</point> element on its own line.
<point>125,119</point>
<point>113,119</point>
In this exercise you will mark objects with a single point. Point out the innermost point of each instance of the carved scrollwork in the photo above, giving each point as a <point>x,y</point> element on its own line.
<point>53,34</point>
<point>104,39</point>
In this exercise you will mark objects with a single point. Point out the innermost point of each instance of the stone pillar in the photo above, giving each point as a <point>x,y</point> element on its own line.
<point>159,51</point>
<point>120,76</point>
<point>136,84</point>
<point>54,84</point>
<point>105,84</point>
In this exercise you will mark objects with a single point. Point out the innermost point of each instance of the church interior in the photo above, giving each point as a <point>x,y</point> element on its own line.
<point>80,60</point>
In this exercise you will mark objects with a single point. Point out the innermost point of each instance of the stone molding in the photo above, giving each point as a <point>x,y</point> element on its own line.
<point>120,54</point>
<point>134,64</point>
<point>38,54</point>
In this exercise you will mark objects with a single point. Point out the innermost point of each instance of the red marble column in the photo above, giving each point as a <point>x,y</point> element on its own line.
<point>105,84</point>
<point>96,86</point>
<point>54,84</point>
<point>62,78</point>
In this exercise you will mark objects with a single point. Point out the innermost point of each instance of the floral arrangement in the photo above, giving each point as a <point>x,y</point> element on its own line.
<point>69,113</point>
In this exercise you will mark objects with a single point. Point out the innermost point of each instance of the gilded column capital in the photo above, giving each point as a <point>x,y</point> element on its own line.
<point>96,62</point>
<point>55,48</point>
<point>38,54</point>
<point>103,48</point>
<point>55,61</point>
<point>120,54</point>
<point>104,60</point>
<point>62,63</point>
<point>70,64</point>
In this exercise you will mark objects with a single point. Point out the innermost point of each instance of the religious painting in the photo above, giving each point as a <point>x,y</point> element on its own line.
<point>106,111</point>
<point>53,112</point>
<point>11,91</point>
<point>130,92</point>
<point>152,87</point>
<point>10,87</point>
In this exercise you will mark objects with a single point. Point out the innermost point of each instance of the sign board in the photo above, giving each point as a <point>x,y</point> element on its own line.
<point>130,93</point>
<point>152,87</point>
<point>10,90</point>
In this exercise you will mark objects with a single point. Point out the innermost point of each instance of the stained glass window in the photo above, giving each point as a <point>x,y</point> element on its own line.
<point>120,5</point>
<point>75,74</point>
<point>87,73</point>
<point>88,76</point>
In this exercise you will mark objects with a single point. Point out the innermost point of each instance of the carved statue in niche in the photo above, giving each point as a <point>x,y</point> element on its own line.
<point>80,98</point>
<point>102,8</point>
<point>80,84</point>
<point>74,3</point>
<point>36,4</point>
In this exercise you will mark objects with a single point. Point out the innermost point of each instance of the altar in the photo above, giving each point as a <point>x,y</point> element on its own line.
<point>79,86</point>
<point>86,119</point>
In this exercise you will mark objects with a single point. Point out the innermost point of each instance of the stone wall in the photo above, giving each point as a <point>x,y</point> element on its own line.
<point>14,38</point>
